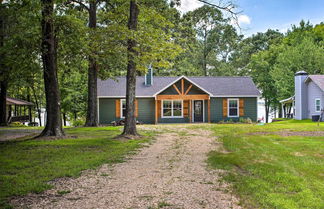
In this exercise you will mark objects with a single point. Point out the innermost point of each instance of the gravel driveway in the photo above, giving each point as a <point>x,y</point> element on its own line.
<point>170,173</point>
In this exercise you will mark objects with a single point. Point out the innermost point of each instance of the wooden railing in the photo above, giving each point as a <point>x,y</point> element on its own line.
<point>19,118</point>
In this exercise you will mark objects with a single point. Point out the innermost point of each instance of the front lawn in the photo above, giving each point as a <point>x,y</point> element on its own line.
<point>27,166</point>
<point>279,165</point>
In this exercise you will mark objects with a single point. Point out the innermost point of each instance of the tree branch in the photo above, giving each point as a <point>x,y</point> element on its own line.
<point>78,2</point>
<point>228,7</point>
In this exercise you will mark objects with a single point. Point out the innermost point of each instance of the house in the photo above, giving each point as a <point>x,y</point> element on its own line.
<point>180,99</point>
<point>309,96</point>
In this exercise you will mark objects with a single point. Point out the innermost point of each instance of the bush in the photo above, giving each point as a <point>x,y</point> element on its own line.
<point>17,124</point>
<point>78,122</point>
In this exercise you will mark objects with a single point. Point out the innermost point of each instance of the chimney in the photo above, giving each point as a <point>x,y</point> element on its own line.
<point>149,76</point>
<point>300,95</point>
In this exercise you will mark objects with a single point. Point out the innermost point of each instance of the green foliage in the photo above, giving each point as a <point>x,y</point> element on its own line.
<point>16,124</point>
<point>270,170</point>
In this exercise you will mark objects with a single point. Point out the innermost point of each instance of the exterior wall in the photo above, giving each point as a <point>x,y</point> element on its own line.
<point>313,92</point>
<point>300,97</point>
<point>146,111</point>
<point>216,110</point>
<point>107,110</point>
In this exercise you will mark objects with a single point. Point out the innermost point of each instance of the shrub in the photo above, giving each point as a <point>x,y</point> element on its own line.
<point>78,122</point>
<point>17,124</point>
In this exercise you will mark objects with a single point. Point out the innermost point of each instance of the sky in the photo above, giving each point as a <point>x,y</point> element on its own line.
<point>260,15</point>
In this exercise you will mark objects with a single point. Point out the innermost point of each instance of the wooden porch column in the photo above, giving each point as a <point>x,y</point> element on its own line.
<point>156,111</point>
<point>190,113</point>
<point>208,108</point>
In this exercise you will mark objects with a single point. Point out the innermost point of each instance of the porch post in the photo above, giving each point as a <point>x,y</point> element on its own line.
<point>189,111</point>
<point>156,111</point>
<point>208,107</point>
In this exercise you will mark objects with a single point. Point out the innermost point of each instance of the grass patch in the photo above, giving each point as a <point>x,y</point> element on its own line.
<point>27,166</point>
<point>272,171</point>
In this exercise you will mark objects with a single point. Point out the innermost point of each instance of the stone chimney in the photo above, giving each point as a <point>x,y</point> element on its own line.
<point>300,95</point>
<point>149,77</point>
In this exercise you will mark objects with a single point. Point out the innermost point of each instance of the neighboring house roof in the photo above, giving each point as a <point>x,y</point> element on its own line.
<point>13,101</point>
<point>215,86</point>
<point>317,79</point>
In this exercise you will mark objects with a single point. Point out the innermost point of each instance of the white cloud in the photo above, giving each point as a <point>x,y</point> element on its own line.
<point>189,5</point>
<point>244,19</point>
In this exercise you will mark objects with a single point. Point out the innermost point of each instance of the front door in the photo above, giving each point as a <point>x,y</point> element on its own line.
<point>198,111</point>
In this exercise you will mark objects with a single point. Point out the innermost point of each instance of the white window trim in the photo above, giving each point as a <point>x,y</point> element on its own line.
<point>121,108</point>
<point>162,116</point>
<point>228,108</point>
<point>318,99</point>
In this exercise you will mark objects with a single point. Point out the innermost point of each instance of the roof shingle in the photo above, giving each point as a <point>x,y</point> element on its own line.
<point>217,86</point>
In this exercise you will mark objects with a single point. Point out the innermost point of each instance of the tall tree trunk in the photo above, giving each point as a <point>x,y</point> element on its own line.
<point>4,81</point>
<point>64,119</point>
<point>29,108</point>
<point>92,117</point>
<point>130,120</point>
<point>267,110</point>
<point>3,103</point>
<point>49,54</point>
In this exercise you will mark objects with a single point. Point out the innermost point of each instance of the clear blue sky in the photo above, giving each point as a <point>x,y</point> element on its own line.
<point>260,15</point>
<point>279,14</point>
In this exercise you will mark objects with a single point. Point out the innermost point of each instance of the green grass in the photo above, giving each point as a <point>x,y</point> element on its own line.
<point>27,166</point>
<point>273,171</point>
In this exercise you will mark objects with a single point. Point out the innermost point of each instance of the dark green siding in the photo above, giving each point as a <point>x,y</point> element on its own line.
<point>216,110</point>
<point>174,120</point>
<point>146,110</point>
<point>107,110</point>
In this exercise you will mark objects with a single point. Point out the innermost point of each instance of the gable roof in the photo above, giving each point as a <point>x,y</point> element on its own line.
<point>317,79</point>
<point>214,86</point>
<point>14,101</point>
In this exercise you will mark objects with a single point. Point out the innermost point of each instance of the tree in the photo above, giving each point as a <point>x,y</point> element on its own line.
<point>49,57</point>
<point>130,120</point>
<point>261,65</point>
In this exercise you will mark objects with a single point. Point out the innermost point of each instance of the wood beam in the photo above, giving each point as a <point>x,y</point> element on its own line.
<point>190,113</point>
<point>156,111</point>
<point>182,86</point>
<point>208,108</point>
<point>176,88</point>
<point>183,97</point>
<point>188,89</point>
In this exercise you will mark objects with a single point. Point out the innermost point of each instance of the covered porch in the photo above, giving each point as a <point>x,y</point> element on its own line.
<point>183,102</point>
<point>18,110</point>
<point>288,107</point>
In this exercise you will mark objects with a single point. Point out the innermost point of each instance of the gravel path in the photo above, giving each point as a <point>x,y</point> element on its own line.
<point>170,173</point>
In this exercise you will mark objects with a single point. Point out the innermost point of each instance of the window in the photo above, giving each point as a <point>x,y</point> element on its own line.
<point>233,108</point>
<point>172,108</point>
<point>123,108</point>
<point>317,105</point>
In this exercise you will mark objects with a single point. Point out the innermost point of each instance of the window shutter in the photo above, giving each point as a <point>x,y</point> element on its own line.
<point>136,108</point>
<point>117,108</point>
<point>225,107</point>
<point>241,107</point>
<point>159,108</point>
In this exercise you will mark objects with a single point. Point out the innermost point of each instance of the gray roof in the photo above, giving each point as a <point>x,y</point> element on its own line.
<point>318,80</point>
<point>216,86</point>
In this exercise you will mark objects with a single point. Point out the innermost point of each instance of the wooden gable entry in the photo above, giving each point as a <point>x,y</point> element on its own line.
<point>187,101</point>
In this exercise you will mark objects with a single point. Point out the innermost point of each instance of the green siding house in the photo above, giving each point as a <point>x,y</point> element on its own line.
<point>180,99</point>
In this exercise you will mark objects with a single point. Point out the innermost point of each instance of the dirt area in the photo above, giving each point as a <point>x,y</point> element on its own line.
<point>11,134</point>
<point>291,133</point>
<point>170,173</point>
